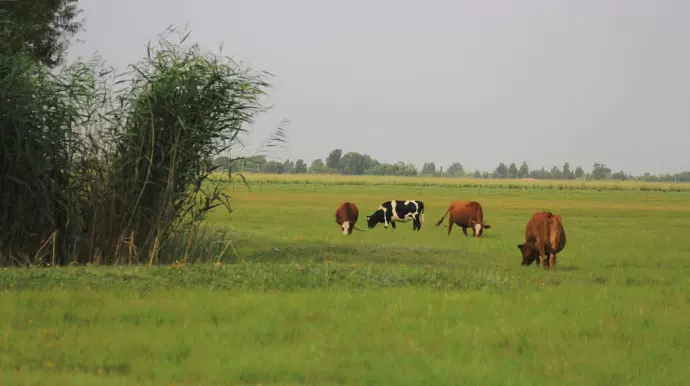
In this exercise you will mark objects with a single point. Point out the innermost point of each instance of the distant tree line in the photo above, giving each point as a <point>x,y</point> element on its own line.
<point>354,163</point>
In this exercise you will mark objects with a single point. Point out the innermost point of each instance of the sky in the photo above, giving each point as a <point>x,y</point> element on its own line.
<point>475,82</point>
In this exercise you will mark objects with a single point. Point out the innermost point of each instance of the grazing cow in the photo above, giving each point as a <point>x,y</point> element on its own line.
<point>398,210</point>
<point>544,238</point>
<point>466,214</point>
<point>346,216</point>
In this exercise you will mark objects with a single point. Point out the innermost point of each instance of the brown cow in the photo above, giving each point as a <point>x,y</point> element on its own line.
<point>466,214</point>
<point>346,216</point>
<point>544,238</point>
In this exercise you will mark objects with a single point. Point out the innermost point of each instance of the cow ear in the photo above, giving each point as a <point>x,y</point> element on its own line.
<point>520,246</point>
<point>485,226</point>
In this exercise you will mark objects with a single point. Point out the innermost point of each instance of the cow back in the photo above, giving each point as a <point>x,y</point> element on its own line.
<point>537,227</point>
<point>352,211</point>
<point>347,211</point>
<point>463,212</point>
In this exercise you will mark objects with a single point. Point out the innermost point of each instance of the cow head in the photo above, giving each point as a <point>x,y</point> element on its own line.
<point>347,227</point>
<point>478,228</point>
<point>375,218</point>
<point>529,251</point>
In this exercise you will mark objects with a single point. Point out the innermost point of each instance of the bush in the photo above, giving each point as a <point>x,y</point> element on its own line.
<point>96,167</point>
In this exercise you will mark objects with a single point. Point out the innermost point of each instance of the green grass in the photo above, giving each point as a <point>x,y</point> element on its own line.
<point>302,304</point>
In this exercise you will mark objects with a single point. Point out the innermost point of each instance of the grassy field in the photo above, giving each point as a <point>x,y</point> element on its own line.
<point>299,303</point>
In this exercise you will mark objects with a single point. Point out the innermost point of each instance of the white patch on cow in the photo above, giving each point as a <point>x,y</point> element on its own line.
<point>393,214</point>
<point>345,227</point>
<point>408,216</point>
<point>477,227</point>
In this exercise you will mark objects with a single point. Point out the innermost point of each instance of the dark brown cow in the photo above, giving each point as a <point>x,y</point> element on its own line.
<point>466,214</point>
<point>544,238</point>
<point>346,216</point>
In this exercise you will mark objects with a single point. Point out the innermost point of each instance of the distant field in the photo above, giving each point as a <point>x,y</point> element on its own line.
<point>467,182</point>
<point>302,304</point>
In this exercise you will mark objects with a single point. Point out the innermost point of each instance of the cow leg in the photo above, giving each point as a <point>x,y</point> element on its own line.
<point>393,224</point>
<point>450,225</point>
<point>546,258</point>
<point>464,230</point>
<point>552,259</point>
<point>542,254</point>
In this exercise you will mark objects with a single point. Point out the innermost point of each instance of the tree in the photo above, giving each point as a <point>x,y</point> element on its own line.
<point>41,29</point>
<point>619,176</point>
<point>354,163</point>
<point>317,166</point>
<point>274,167</point>
<point>512,170</point>
<point>556,173</point>
<point>333,159</point>
<point>409,169</point>
<point>524,170</point>
<point>567,173</point>
<point>600,172</point>
<point>541,174</point>
<point>477,174</point>
<point>579,172</point>
<point>455,170</point>
<point>288,166</point>
<point>429,168</point>
<point>501,171</point>
<point>300,167</point>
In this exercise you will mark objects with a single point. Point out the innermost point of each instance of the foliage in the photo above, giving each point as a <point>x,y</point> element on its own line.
<point>300,167</point>
<point>428,168</point>
<point>354,163</point>
<point>455,170</point>
<point>333,159</point>
<point>111,168</point>
<point>512,170</point>
<point>600,172</point>
<point>181,108</point>
<point>317,166</point>
<point>38,29</point>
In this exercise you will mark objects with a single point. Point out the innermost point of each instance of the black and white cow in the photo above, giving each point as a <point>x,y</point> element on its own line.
<point>398,210</point>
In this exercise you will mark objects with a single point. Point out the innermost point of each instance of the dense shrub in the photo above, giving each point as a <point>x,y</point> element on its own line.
<point>103,168</point>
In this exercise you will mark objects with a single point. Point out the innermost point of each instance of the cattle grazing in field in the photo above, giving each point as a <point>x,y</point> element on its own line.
<point>394,211</point>
<point>465,214</point>
<point>544,238</point>
<point>346,216</point>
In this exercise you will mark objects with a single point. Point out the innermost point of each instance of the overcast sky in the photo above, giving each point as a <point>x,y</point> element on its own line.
<point>478,82</point>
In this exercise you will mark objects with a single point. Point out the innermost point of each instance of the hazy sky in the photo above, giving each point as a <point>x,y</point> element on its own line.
<point>477,82</point>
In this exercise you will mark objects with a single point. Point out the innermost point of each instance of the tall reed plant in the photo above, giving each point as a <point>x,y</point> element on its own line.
<point>115,169</point>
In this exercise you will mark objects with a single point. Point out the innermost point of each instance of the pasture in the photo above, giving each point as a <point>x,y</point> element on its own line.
<point>297,302</point>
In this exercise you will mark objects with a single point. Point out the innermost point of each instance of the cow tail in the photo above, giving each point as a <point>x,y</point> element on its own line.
<point>438,223</point>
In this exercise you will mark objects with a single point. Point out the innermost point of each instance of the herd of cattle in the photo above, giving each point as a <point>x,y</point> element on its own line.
<point>544,232</point>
